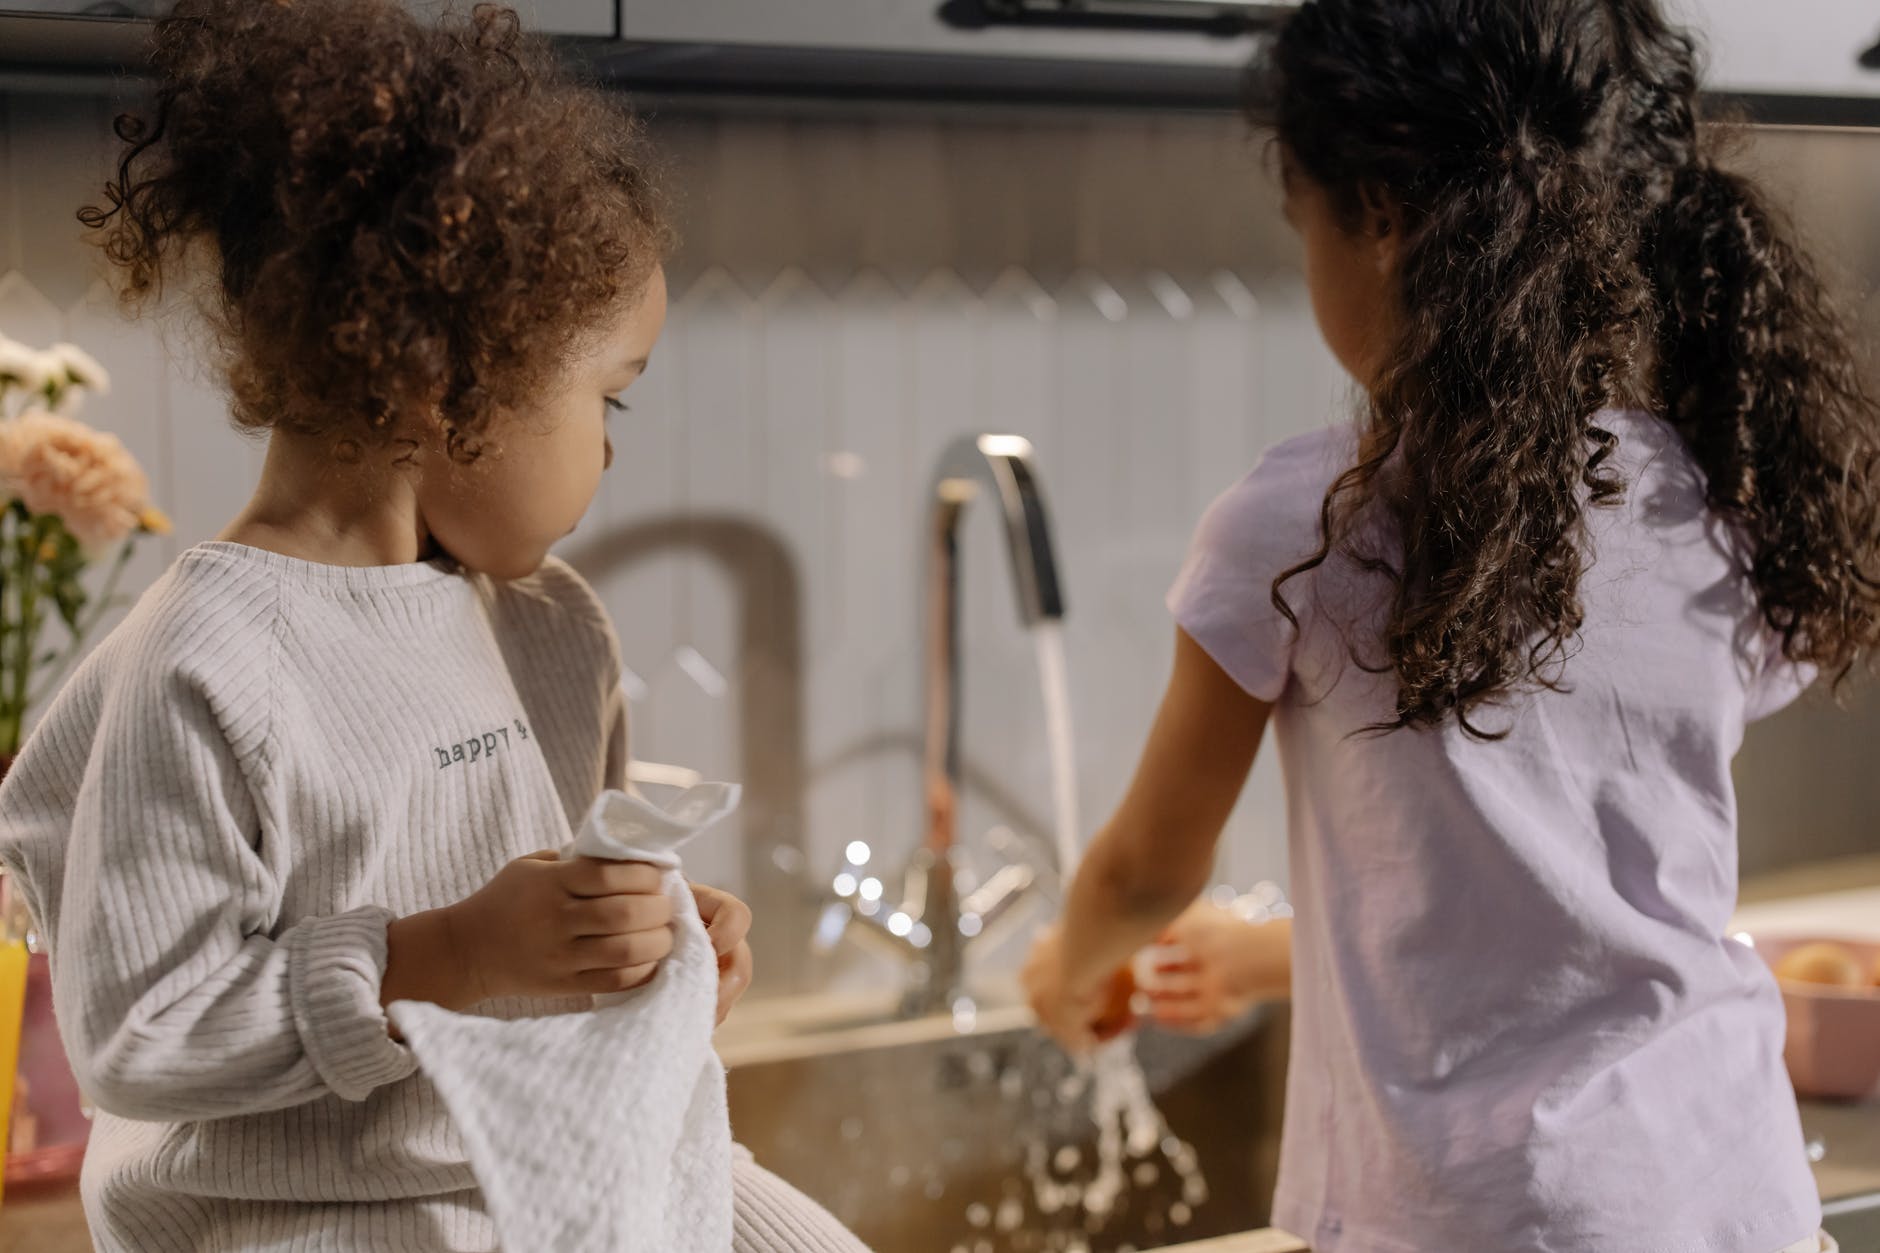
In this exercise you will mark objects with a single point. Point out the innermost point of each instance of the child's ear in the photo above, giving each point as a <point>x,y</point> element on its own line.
<point>1383,226</point>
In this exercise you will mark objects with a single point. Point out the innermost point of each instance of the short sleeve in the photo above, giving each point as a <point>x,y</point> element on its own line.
<point>1777,683</point>
<point>1261,527</point>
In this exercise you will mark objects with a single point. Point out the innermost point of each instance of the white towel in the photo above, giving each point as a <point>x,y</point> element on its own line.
<point>602,1132</point>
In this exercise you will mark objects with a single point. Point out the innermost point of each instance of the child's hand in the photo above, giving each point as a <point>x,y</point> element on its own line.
<point>1226,966</point>
<point>546,927</point>
<point>727,920</point>
<point>1078,1019</point>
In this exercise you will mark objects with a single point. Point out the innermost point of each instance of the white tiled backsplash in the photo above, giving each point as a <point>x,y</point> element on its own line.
<point>850,295</point>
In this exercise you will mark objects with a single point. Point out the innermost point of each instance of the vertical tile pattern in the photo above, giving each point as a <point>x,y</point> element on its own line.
<point>11,257</point>
<point>53,164</point>
<point>1083,482</point>
<point>850,294</point>
<point>135,410</point>
<point>863,783</point>
<point>25,313</point>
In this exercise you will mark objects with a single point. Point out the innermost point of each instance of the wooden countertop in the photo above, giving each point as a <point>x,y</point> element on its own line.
<point>40,1221</point>
<point>1264,1241</point>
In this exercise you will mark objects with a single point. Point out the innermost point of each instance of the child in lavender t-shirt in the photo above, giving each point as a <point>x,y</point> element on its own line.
<point>1611,497</point>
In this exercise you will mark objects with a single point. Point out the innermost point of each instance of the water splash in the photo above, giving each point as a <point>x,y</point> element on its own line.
<point>1075,1198</point>
<point>1135,1161</point>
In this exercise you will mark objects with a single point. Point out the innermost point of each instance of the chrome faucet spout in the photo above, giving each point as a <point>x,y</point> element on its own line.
<point>998,467</point>
<point>931,926</point>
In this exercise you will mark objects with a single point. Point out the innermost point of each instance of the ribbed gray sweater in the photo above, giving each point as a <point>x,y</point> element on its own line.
<point>213,824</point>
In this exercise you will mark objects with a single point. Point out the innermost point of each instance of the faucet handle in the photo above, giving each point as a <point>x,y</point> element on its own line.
<point>1028,874</point>
<point>996,900</point>
<point>843,898</point>
<point>1029,851</point>
<point>832,923</point>
<point>857,902</point>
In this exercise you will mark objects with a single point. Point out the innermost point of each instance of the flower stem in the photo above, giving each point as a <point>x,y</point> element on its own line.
<point>17,641</point>
<point>86,625</point>
<point>9,618</point>
<point>30,534</point>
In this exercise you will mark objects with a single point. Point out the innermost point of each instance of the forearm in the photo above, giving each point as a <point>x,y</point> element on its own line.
<point>1117,906</point>
<point>1155,855</point>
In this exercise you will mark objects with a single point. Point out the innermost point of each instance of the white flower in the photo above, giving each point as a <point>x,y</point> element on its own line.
<point>21,367</point>
<point>78,366</point>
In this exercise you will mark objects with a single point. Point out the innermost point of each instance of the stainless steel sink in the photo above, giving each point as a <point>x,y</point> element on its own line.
<point>916,1134</point>
<point>1854,1221</point>
<point>1845,1143</point>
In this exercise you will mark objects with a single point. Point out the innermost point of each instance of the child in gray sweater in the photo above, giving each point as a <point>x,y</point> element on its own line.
<point>310,774</point>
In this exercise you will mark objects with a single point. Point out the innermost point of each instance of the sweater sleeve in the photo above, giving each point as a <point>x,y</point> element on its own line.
<point>614,768</point>
<point>180,997</point>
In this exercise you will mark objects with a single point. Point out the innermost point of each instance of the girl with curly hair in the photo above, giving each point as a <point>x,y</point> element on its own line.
<point>306,778</point>
<point>1614,493</point>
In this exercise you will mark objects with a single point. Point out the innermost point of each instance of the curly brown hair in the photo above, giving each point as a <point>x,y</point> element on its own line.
<point>1571,246</point>
<point>399,217</point>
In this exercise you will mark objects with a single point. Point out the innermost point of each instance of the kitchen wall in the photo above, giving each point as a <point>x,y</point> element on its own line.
<point>852,293</point>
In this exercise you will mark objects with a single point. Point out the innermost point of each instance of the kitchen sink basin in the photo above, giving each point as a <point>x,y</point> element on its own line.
<point>1854,1221</point>
<point>792,1025</point>
<point>926,1138</point>
<point>1845,1138</point>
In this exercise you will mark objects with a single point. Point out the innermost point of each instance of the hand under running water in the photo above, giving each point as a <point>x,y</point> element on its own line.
<point>1079,1019</point>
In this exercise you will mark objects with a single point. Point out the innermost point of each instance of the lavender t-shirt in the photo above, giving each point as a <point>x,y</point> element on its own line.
<point>1519,1026</point>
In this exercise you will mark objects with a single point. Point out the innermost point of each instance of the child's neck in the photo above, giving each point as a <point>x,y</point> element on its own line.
<point>314,508</point>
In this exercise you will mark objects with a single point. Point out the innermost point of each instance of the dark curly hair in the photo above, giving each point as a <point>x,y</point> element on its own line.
<point>399,217</point>
<point>1571,245</point>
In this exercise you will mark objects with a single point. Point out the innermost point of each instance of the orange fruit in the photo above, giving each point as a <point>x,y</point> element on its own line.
<point>1117,1015</point>
<point>1822,963</point>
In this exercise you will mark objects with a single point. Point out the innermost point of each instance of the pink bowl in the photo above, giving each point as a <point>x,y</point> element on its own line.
<point>1833,1048</point>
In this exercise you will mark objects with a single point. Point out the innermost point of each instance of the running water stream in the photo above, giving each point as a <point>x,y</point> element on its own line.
<point>1053,674</point>
<point>1074,1193</point>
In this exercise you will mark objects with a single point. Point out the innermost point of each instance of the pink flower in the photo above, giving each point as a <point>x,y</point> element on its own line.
<point>84,477</point>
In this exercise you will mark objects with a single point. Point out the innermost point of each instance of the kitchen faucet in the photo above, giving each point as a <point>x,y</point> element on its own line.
<point>932,925</point>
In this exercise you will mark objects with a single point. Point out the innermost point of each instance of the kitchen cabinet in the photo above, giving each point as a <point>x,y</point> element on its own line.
<point>895,27</point>
<point>1809,48</point>
<point>570,17</point>
<point>547,17</point>
<point>1813,48</point>
<point>551,17</point>
<point>70,8</point>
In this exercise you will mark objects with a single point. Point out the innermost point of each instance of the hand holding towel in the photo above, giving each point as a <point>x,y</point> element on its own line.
<point>602,1132</point>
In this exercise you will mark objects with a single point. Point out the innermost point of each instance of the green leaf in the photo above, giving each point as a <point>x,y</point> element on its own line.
<point>70,599</point>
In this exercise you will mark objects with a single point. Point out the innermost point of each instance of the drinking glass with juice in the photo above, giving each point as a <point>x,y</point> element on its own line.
<point>13,962</point>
